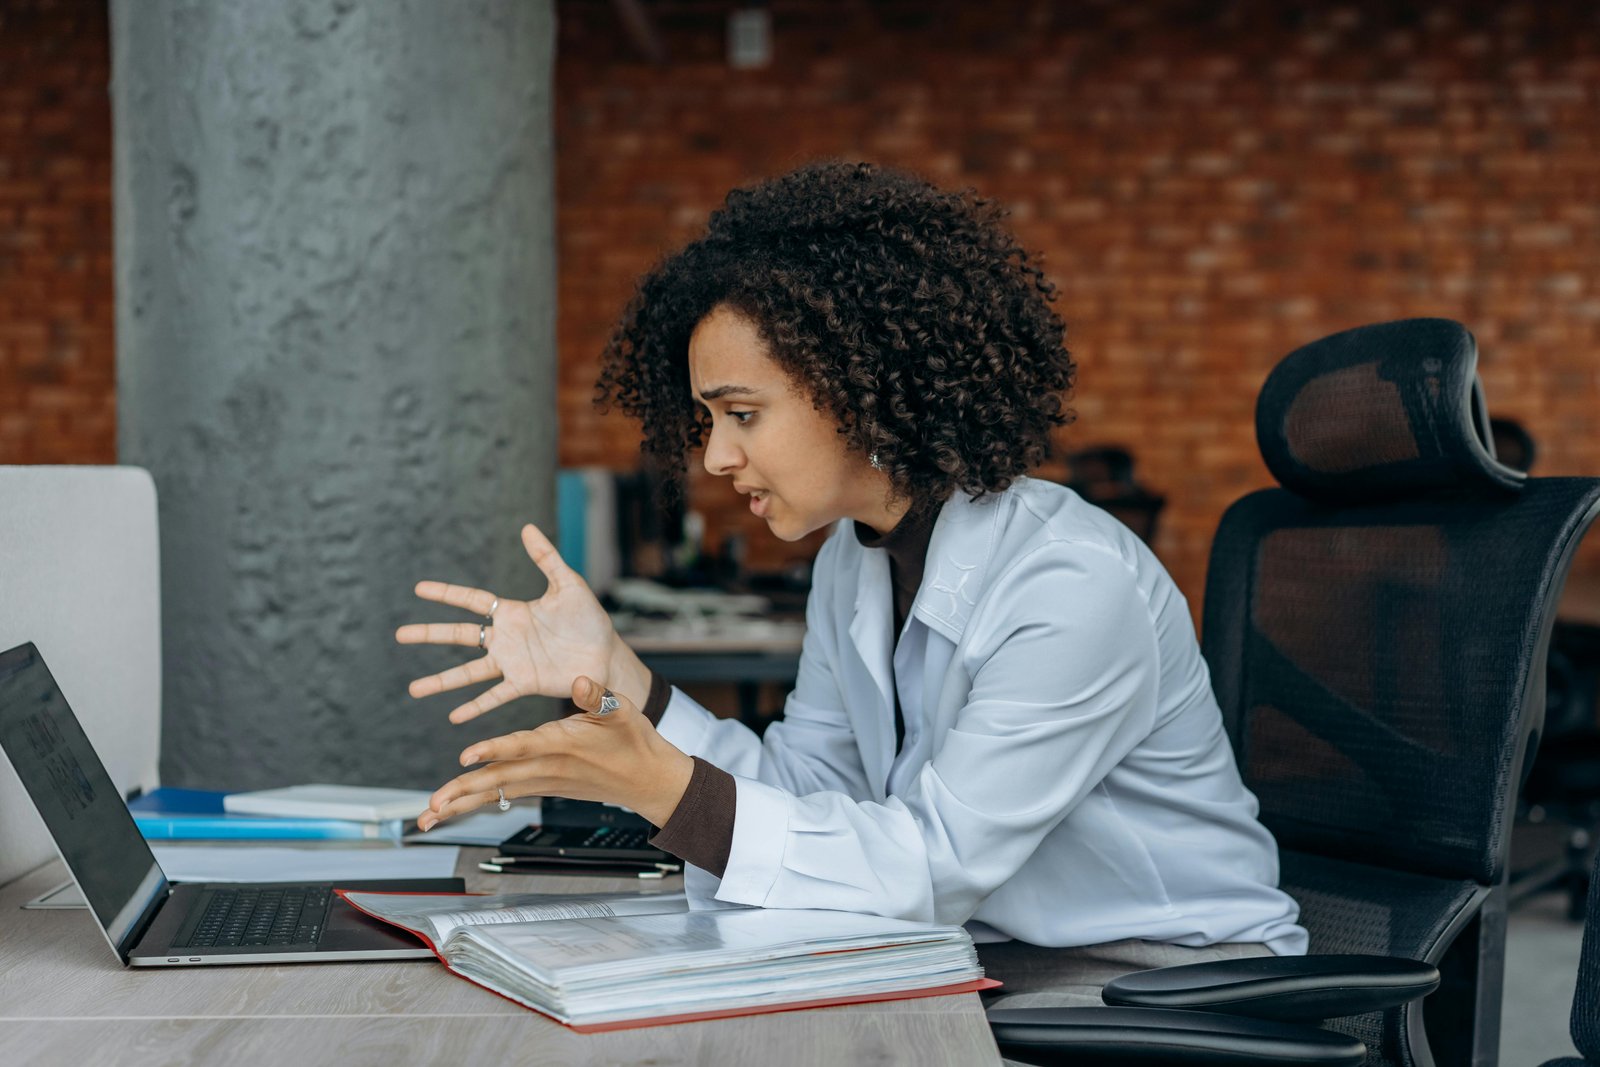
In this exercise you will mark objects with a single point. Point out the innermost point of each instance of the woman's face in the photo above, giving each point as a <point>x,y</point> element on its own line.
<point>782,452</point>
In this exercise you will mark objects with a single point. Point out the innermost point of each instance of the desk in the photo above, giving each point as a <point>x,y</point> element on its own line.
<point>67,1000</point>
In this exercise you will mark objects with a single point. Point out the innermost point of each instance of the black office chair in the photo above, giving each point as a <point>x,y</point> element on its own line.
<point>1586,999</point>
<point>1514,446</point>
<point>1562,791</point>
<point>1561,800</point>
<point>1376,631</point>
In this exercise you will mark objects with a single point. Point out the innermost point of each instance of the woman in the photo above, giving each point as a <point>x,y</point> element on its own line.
<point>1001,716</point>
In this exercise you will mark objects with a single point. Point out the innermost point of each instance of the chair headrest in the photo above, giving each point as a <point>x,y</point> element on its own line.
<point>1380,412</point>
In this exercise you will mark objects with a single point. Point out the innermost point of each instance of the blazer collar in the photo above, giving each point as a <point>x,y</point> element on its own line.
<point>959,556</point>
<point>964,538</point>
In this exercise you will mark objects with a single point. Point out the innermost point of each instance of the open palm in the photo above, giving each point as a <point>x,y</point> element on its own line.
<point>535,647</point>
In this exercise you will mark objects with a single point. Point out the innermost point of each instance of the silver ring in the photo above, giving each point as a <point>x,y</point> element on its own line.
<point>483,635</point>
<point>505,805</point>
<point>608,702</point>
<point>492,609</point>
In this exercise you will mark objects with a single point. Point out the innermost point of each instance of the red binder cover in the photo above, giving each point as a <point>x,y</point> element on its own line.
<point>974,986</point>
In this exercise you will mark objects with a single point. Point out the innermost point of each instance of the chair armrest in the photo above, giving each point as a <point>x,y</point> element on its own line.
<point>1051,1036</point>
<point>1302,988</point>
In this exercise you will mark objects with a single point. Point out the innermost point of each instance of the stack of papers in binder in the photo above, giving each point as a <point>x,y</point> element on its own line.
<point>612,962</point>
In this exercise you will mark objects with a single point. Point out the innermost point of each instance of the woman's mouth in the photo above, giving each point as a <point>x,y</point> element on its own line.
<point>758,503</point>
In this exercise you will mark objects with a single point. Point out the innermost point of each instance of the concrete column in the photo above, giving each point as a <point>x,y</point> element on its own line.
<point>335,352</point>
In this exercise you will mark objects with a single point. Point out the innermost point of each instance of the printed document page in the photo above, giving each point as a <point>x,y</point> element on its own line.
<point>439,915</point>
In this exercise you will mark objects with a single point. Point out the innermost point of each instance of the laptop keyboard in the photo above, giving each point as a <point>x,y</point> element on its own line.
<point>247,916</point>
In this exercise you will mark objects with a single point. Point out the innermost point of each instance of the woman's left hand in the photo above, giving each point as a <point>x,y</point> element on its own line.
<point>616,757</point>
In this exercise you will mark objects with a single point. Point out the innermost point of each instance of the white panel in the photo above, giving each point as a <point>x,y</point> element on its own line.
<point>80,577</point>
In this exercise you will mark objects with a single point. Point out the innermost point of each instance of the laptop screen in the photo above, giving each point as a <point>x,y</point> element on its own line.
<point>81,807</point>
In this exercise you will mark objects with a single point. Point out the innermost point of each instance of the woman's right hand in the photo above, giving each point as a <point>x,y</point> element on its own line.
<point>535,647</point>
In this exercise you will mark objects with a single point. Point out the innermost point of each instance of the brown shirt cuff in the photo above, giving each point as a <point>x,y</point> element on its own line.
<point>700,829</point>
<point>655,705</point>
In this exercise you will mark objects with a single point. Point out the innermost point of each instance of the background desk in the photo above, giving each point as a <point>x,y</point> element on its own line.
<point>67,1000</point>
<point>745,663</point>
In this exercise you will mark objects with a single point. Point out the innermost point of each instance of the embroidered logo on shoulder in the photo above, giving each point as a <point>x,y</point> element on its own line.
<point>958,592</point>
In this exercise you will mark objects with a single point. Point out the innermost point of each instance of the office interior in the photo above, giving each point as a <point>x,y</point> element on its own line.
<point>346,302</point>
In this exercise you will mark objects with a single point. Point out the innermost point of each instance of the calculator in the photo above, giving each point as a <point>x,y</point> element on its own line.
<point>630,843</point>
<point>586,829</point>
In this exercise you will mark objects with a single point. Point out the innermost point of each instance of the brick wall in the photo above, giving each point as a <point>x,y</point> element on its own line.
<point>1209,184</point>
<point>57,373</point>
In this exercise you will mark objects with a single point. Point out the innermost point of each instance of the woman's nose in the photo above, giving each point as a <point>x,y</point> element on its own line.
<point>722,456</point>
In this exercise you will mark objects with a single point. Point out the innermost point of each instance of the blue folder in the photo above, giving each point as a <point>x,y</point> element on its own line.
<point>173,814</point>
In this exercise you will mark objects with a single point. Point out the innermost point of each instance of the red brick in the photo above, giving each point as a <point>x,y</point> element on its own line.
<point>1206,201</point>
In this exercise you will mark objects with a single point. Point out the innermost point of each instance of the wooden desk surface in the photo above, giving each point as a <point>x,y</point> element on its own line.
<point>67,1000</point>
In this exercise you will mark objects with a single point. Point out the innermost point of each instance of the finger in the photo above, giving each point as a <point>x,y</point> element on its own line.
<point>545,556</point>
<point>520,745</point>
<point>478,670</point>
<point>487,700</point>
<point>460,806</point>
<point>438,633</point>
<point>477,601</point>
<point>589,694</point>
<point>480,786</point>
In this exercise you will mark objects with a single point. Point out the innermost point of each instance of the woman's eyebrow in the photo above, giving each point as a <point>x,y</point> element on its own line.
<point>729,390</point>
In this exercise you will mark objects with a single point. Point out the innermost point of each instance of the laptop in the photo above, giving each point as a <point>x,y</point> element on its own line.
<point>150,920</point>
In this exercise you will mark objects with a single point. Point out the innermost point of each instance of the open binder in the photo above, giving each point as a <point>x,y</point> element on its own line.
<point>620,961</point>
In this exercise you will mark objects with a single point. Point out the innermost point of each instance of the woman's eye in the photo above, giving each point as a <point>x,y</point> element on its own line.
<point>741,417</point>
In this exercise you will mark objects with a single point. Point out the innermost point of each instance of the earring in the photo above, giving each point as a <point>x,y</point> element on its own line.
<point>877,464</point>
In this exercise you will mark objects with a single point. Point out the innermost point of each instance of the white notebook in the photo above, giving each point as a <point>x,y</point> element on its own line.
<point>362,803</point>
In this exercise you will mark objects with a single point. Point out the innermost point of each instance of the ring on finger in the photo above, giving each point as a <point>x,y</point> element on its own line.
<point>492,608</point>
<point>505,805</point>
<point>483,635</point>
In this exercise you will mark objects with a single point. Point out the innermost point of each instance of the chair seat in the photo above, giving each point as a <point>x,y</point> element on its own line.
<point>1352,907</point>
<point>1048,1036</point>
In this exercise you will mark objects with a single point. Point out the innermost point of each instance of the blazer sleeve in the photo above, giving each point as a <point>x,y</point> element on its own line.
<point>1063,661</point>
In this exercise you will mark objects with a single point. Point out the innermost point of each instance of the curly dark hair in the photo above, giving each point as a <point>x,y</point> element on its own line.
<point>908,314</point>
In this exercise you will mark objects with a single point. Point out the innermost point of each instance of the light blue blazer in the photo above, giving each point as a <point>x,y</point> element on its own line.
<point>1065,778</point>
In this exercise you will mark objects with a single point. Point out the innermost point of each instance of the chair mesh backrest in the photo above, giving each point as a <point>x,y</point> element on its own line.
<point>1373,635</point>
<point>1586,1001</point>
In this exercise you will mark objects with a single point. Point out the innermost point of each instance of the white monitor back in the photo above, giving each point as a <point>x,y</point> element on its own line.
<point>80,577</point>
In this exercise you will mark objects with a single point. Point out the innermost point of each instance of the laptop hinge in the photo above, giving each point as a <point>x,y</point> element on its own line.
<point>137,931</point>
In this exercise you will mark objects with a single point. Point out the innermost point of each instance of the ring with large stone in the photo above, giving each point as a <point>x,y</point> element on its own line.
<point>483,635</point>
<point>505,805</point>
<point>608,702</point>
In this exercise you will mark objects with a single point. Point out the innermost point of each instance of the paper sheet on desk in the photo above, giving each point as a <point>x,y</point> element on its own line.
<point>204,864</point>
